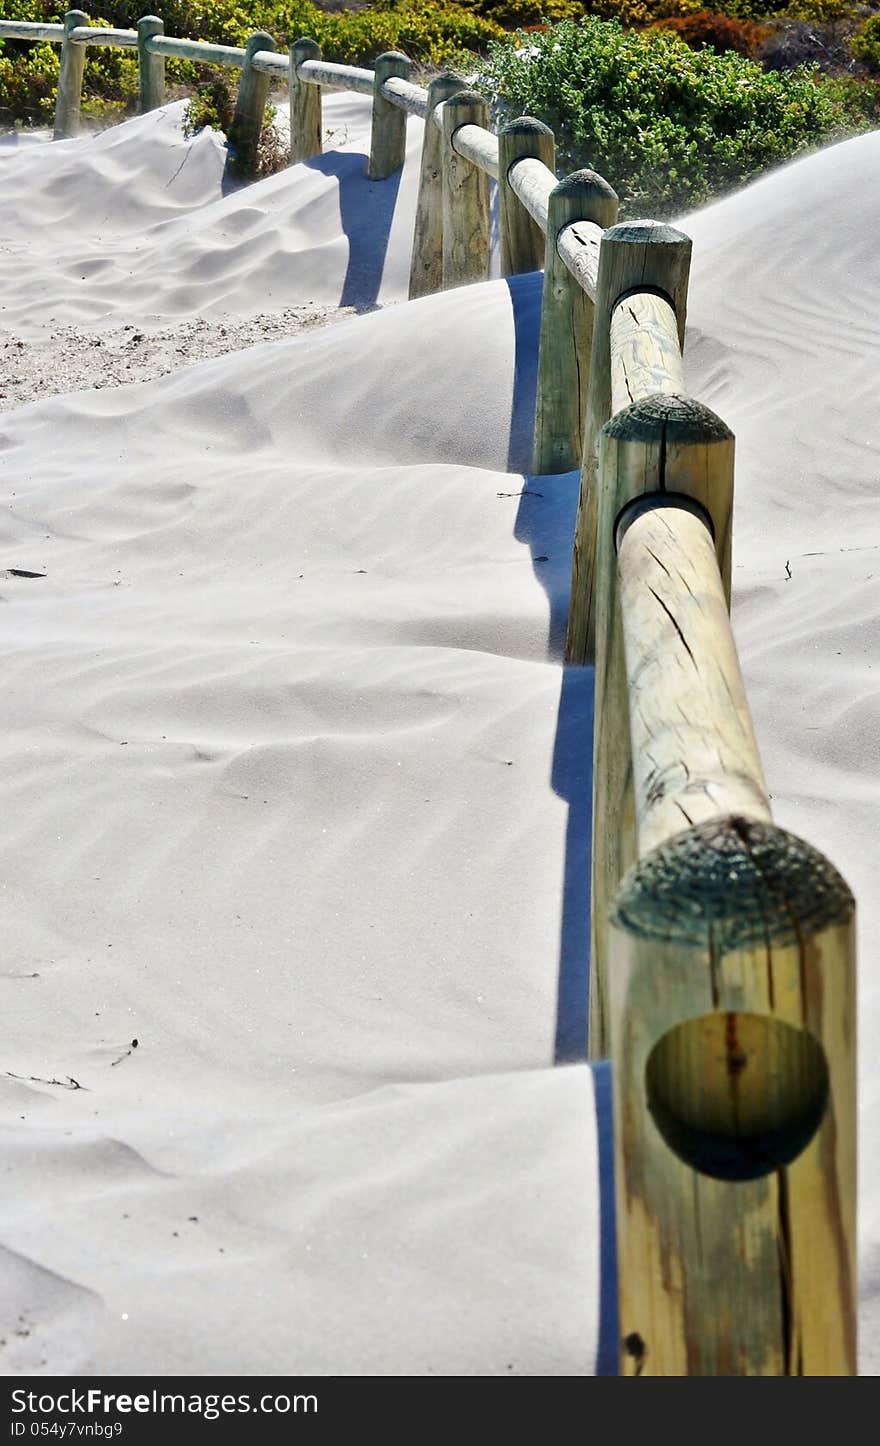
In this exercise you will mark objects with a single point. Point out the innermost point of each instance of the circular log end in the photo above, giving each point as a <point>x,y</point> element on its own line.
<point>466,100</point>
<point>306,49</point>
<point>525,125</point>
<point>679,419</point>
<point>586,185</point>
<point>391,58</point>
<point>260,40</point>
<point>652,233</point>
<point>734,883</point>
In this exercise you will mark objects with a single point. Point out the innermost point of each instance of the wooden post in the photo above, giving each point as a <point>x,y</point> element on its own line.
<point>388,134</point>
<point>634,255</point>
<point>733,1025</point>
<point>566,328</point>
<point>522,240</point>
<point>465,197</point>
<point>306,139</point>
<point>661,445</point>
<point>732,993</point>
<point>250,106</point>
<point>426,269</point>
<point>151,68</point>
<point>70,78</point>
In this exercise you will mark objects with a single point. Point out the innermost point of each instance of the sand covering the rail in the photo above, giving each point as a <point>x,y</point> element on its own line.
<point>295,791</point>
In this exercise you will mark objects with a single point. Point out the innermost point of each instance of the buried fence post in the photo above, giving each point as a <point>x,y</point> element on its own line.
<point>151,68</point>
<point>660,445</point>
<point>426,269</point>
<point>247,122</point>
<point>636,255</point>
<point>732,999</point>
<point>522,240</point>
<point>465,197</point>
<point>388,134</point>
<point>305,105</point>
<point>70,78</point>
<point>566,328</point>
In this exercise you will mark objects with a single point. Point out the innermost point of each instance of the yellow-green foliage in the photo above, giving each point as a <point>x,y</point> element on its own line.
<point>866,44</point>
<point>28,81</point>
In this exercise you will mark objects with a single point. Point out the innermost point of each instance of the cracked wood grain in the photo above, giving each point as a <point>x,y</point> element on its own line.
<point>426,267</point>
<point>586,204</point>
<point>634,256</point>
<point>526,176</point>
<point>388,131</point>
<point>465,195</point>
<point>306,121</point>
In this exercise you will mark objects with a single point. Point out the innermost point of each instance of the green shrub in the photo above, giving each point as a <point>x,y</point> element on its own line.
<point>670,127</point>
<point>28,82</point>
<point>866,45</point>
<point>214,105</point>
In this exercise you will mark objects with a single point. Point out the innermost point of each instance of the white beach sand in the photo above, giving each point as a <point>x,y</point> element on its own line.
<point>294,789</point>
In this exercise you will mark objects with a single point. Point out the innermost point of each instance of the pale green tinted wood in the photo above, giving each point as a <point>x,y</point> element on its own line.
<point>196,51</point>
<point>103,35</point>
<point>342,77</point>
<point>637,254</point>
<point>522,239</point>
<point>566,326</point>
<point>426,268</point>
<point>406,96</point>
<point>70,77</point>
<point>250,107</point>
<point>465,196</point>
<point>151,68</point>
<point>27,30</point>
<point>664,444</point>
<point>306,139</point>
<point>388,133</point>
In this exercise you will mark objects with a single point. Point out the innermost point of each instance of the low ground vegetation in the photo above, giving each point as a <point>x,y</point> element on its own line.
<point>674,102</point>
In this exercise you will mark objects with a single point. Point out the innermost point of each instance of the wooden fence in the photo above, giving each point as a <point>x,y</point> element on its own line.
<point>723,957</point>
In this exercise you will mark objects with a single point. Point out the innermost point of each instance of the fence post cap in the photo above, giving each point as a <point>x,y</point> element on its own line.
<point>677,418</point>
<point>585,184</point>
<point>525,125</point>
<point>658,233</point>
<point>742,880</point>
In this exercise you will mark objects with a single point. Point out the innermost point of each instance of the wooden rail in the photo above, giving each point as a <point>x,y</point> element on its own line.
<point>722,972</point>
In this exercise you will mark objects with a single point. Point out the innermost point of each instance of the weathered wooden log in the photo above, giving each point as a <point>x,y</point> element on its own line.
<point>30,30</point>
<point>660,445</point>
<point>634,256</point>
<point>522,240</point>
<point>271,63</point>
<point>104,35</point>
<point>388,134</point>
<point>70,78</point>
<point>151,68</point>
<point>532,183</point>
<point>465,196</point>
<point>406,96</point>
<point>343,77</point>
<point>479,146</point>
<point>197,51</point>
<point>306,139</point>
<point>426,268</point>
<point>250,107</point>
<point>645,354</point>
<point>566,327</point>
<point>732,1002</point>
<point>697,757</point>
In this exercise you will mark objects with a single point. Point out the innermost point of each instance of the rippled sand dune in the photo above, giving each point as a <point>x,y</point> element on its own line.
<point>295,791</point>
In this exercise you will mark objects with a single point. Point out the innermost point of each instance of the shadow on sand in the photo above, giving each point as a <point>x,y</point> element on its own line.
<point>545,522</point>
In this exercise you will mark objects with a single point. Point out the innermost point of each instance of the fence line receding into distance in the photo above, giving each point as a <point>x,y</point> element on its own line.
<point>722,968</point>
